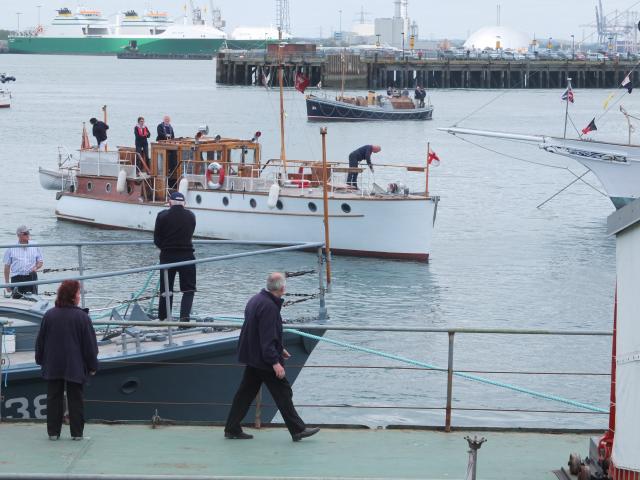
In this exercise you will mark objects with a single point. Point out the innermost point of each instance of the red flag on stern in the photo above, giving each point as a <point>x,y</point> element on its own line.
<point>302,82</point>
<point>590,128</point>
<point>85,145</point>
<point>433,158</point>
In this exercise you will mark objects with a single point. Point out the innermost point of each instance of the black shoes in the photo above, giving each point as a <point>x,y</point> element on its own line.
<point>238,436</point>
<point>307,432</point>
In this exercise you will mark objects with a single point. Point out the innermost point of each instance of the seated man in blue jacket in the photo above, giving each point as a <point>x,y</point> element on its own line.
<point>260,349</point>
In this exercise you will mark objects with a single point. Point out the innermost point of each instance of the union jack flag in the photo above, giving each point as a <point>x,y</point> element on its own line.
<point>568,94</point>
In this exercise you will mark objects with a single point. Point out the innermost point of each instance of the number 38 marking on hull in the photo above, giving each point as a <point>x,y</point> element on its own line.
<point>20,407</point>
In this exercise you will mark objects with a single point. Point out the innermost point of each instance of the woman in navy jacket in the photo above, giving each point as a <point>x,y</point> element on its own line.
<point>67,351</point>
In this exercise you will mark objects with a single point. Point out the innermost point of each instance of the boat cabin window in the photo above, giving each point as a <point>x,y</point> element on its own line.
<point>242,155</point>
<point>160,163</point>
<point>211,156</point>
<point>187,157</point>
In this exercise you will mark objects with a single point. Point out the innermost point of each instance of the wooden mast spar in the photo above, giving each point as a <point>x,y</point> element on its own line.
<point>283,153</point>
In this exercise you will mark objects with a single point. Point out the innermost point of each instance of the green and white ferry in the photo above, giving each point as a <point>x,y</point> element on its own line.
<point>88,32</point>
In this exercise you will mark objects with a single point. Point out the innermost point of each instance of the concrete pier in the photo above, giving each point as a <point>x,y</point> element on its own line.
<point>370,72</point>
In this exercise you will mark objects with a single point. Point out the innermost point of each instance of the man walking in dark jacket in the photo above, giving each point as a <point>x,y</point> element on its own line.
<point>260,349</point>
<point>173,235</point>
<point>355,157</point>
<point>100,132</point>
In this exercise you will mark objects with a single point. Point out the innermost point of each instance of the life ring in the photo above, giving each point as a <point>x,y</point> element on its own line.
<point>215,167</point>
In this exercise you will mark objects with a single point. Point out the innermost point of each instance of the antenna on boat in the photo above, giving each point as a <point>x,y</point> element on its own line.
<point>569,98</point>
<point>628,117</point>
<point>325,204</point>
<point>283,153</point>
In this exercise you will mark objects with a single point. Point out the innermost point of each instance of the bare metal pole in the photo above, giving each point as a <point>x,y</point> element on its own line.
<point>80,271</point>
<point>566,109</point>
<point>322,314</point>
<point>447,421</point>
<point>325,202</point>
<point>167,299</point>
<point>474,445</point>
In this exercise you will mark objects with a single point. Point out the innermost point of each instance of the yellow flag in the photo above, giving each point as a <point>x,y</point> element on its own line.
<point>606,102</point>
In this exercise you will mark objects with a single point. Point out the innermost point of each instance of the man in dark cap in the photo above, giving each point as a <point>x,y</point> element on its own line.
<point>173,235</point>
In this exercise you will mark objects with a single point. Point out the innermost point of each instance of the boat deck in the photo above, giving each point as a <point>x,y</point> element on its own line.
<point>138,451</point>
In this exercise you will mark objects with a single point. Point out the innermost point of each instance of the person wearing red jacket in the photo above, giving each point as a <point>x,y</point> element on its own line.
<point>141,133</point>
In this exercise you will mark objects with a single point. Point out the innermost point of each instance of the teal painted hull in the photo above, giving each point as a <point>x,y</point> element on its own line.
<point>113,45</point>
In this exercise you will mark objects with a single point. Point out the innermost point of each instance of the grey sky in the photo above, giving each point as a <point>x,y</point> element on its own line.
<point>450,19</point>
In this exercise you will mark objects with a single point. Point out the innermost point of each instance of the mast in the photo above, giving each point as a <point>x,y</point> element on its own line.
<point>325,204</point>
<point>283,154</point>
<point>566,109</point>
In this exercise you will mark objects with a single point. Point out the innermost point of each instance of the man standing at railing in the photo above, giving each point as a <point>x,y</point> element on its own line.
<point>355,157</point>
<point>21,264</point>
<point>173,235</point>
<point>260,349</point>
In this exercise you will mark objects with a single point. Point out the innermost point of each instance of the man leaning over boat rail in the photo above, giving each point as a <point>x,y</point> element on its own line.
<point>260,348</point>
<point>355,157</point>
<point>173,235</point>
<point>22,264</point>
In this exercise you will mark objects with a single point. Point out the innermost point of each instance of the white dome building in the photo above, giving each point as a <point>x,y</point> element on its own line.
<point>487,37</point>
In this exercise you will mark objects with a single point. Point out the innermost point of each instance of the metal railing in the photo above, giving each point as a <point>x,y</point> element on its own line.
<point>164,268</point>
<point>223,322</point>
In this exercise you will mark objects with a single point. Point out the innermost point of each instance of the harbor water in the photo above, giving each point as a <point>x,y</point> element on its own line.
<point>497,260</point>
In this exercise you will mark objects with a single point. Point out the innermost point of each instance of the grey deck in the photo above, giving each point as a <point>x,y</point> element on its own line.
<point>202,452</point>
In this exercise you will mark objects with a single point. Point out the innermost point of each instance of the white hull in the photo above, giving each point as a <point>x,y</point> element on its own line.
<point>617,166</point>
<point>53,180</point>
<point>395,228</point>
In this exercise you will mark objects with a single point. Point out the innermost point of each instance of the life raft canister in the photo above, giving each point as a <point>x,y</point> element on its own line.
<point>212,168</point>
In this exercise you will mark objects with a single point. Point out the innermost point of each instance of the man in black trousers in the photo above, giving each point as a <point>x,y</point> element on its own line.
<point>173,235</point>
<point>260,349</point>
<point>355,157</point>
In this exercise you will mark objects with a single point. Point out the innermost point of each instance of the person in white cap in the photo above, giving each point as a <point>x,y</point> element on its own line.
<point>22,263</point>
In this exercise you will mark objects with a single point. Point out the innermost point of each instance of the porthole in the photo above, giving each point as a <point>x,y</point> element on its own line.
<point>89,186</point>
<point>279,205</point>
<point>129,386</point>
<point>225,201</point>
<point>198,199</point>
<point>312,206</point>
<point>253,203</point>
<point>107,187</point>
<point>346,208</point>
